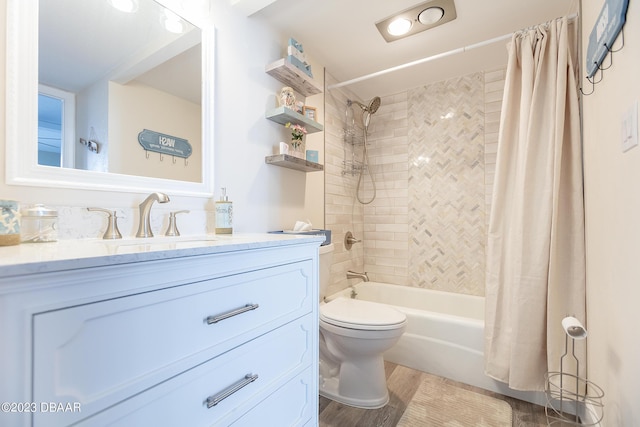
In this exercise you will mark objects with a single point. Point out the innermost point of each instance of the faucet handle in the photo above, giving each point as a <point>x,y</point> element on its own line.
<point>172,230</point>
<point>349,240</point>
<point>112,231</point>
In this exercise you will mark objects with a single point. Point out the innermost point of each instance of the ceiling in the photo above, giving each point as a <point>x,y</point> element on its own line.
<point>342,36</point>
<point>82,42</point>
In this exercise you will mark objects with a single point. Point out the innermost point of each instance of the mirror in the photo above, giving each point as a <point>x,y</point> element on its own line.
<point>110,100</point>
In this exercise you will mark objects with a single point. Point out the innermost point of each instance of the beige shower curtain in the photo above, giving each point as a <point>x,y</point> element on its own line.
<point>535,250</point>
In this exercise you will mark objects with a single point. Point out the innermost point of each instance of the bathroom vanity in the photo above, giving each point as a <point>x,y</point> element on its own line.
<point>221,330</point>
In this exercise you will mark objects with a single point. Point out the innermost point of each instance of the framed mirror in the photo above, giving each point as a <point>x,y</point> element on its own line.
<point>103,99</point>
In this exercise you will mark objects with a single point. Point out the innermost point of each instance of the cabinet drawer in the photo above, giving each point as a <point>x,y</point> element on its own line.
<point>276,358</point>
<point>100,354</point>
<point>292,405</point>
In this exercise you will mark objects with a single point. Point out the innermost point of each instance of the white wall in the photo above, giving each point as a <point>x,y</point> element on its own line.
<point>136,106</point>
<point>612,192</point>
<point>92,124</point>
<point>265,197</point>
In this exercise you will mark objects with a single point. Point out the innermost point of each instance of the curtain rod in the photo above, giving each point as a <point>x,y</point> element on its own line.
<point>428,59</point>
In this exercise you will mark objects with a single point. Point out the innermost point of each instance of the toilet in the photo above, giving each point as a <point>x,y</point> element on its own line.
<point>353,336</point>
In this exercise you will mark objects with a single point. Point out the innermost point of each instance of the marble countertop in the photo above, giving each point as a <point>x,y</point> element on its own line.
<point>84,253</point>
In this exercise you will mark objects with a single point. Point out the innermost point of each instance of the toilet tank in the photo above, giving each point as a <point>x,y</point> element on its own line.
<point>326,259</point>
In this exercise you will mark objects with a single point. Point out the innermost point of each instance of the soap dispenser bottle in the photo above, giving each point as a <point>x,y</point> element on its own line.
<point>224,214</point>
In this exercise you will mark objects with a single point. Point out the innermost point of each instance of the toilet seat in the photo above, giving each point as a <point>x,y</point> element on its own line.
<point>362,315</point>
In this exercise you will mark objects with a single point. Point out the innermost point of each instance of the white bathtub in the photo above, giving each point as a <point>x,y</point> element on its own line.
<point>444,334</point>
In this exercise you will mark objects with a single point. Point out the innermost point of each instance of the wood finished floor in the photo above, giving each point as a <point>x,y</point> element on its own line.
<point>403,383</point>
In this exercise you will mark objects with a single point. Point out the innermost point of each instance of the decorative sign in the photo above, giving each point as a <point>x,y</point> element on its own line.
<point>164,144</point>
<point>608,25</point>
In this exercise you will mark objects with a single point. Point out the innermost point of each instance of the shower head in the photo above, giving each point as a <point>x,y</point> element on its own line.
<point>374,104</point>
<point>372,107</point>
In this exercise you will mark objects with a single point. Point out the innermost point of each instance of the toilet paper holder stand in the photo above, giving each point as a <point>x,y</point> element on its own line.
<point>572,399</point>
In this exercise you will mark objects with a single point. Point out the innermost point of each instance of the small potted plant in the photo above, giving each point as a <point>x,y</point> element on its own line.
<point>297,135</point>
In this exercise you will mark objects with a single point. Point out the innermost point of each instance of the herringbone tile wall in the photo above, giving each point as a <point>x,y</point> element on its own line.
<point>432,153</point>
<point>446,191</point>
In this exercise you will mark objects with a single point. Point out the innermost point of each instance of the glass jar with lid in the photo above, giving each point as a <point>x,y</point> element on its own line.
<point>39,224</point>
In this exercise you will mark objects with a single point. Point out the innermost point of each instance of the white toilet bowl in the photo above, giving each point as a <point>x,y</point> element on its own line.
<point>353,336</point>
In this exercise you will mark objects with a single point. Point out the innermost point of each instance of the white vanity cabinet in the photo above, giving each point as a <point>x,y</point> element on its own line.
<point>213,339</point>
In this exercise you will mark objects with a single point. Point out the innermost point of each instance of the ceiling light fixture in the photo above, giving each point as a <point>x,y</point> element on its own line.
<point>399,27</point>
<point>416,19</point>
<point>128,6</point>
<point>431,15</point>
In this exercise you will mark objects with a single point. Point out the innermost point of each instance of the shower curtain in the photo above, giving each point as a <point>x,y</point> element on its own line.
<point>535,251</point>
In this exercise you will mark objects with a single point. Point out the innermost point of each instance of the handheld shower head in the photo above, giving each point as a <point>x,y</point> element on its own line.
<point>374,104</point>
<point>367,110</point>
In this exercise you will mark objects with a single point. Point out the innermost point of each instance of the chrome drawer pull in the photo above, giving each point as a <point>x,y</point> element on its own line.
<point>219,317</point>
<point>214,400</point>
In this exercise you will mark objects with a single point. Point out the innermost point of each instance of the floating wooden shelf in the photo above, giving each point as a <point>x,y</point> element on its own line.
<point>284,115</point>
<point>291,162</point>
<point>292,76</point>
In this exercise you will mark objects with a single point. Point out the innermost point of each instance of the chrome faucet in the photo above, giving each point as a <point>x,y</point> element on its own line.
<point>356,275</point>
<point>144,228</point>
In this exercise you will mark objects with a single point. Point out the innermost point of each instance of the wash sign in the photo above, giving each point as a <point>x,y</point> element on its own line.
<point>164,144</point>
<point>604,33</point>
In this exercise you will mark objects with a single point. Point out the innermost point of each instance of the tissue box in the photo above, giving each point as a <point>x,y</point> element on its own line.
<point>319,232</point>
<point>327,236</point>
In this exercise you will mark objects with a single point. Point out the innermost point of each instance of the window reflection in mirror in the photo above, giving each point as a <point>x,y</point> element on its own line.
<point>49,130</point>
<point>56,124</point>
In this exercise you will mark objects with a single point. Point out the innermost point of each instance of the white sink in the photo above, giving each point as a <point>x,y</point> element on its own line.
<point>178,241</point>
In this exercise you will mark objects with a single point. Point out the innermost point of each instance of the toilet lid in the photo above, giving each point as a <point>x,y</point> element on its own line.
<point>358,314</point>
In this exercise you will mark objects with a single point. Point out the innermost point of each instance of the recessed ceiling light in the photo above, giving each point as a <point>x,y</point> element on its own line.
<point>431,15</point>
<point>128,6</point>
<point>399,26</point>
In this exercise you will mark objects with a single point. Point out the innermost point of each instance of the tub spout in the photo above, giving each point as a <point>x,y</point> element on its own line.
<point>356,275</point>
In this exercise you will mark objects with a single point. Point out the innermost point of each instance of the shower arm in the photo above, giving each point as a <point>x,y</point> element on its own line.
<point>359,104</point>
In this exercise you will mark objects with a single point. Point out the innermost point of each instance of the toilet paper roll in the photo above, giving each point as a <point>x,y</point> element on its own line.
<point>574,328</point>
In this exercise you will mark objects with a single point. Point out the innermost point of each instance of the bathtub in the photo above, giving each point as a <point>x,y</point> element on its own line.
<point>444,334</point>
